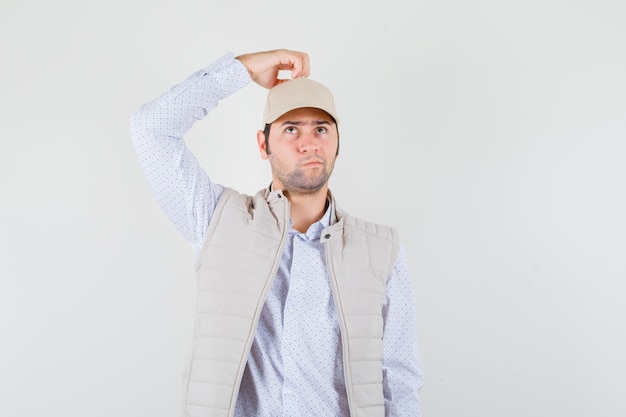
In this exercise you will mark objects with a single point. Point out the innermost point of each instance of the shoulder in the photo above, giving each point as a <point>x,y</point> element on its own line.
<point>264,204</point>
<point>232,200</point>
<point>368,228</point>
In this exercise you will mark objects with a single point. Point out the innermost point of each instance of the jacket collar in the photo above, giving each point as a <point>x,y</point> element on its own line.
<point>336,214</point>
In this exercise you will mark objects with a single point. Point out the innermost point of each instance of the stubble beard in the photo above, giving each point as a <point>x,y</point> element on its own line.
<point>298,182</point>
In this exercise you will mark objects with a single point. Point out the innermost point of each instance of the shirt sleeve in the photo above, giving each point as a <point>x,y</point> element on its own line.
<point>179,184</point>
<point>402,370</point>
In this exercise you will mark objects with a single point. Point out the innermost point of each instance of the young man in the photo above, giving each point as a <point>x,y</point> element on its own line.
<point>302,309</point>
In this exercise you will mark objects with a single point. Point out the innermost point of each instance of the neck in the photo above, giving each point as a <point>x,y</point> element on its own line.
<point>306,209</point>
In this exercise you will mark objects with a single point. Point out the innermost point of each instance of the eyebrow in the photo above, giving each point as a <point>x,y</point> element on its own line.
<point>300,123</point>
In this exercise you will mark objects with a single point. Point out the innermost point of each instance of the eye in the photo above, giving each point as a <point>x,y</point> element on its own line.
<point>291,130</point>
<point>321,130</point>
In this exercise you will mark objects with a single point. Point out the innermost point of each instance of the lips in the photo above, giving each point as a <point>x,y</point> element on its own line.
<point>312,162</point>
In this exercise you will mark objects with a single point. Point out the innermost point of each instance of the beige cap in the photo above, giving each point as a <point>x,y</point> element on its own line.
<point>295,94</point>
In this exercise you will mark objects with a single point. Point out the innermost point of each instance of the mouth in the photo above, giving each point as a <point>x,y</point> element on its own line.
<point>313,162</point>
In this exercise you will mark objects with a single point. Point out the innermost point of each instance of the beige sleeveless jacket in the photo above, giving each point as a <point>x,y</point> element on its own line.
<point>235,270</point>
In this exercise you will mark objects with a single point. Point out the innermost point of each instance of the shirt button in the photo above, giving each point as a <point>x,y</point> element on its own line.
<point>327,236</point>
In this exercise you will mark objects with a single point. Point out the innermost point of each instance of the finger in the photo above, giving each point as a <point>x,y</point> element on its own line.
<point>296,62</point>
<point>301,66</point>
<point>306,68</point>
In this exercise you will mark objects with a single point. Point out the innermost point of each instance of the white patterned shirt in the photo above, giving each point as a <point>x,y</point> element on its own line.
<point>295,367</point>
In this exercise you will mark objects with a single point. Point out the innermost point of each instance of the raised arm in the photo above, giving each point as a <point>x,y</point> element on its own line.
<point>179,184</point>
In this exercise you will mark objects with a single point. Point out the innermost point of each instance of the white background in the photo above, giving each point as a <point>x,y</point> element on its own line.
<point>491,133</point>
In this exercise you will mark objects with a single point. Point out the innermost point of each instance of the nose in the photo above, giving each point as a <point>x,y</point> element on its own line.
<point>308,144</point>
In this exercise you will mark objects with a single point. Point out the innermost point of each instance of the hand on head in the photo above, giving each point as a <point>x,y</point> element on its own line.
<point>263,67</point>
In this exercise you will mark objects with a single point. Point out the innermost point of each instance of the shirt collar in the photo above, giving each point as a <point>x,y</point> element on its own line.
<point>315,230</point>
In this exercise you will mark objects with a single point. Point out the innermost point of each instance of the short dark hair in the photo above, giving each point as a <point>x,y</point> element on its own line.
<point>266,133</point>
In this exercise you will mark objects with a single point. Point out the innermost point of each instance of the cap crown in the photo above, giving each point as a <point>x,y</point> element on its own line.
<point>295,94</point>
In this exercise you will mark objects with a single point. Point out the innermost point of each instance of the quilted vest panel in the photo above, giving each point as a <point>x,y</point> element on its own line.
<point>235,270</point>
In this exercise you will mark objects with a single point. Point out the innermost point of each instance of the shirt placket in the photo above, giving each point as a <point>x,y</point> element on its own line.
<point>294,332</point>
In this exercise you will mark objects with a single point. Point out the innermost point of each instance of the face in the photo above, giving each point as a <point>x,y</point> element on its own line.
<point>303,147</point>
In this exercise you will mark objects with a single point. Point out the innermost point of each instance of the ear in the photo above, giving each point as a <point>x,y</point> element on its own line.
<point>260,138</point>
